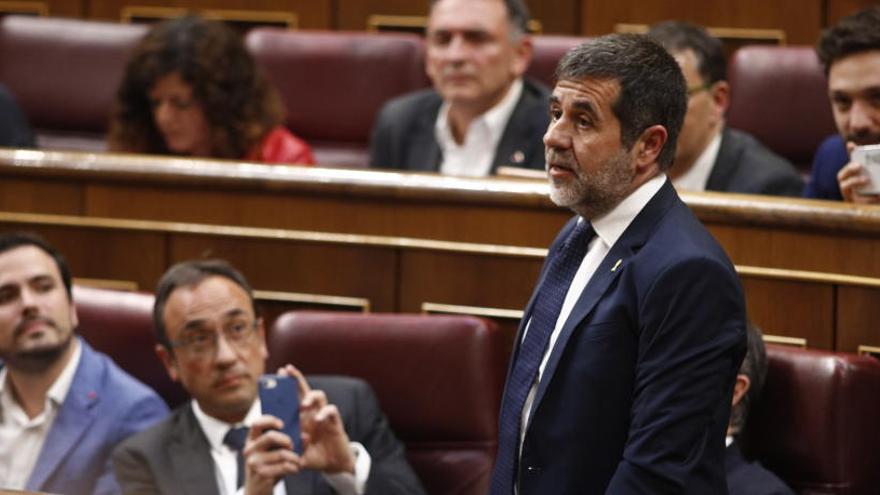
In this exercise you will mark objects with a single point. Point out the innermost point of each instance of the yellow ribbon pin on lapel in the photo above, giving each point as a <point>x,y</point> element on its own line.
<point>616,265</point>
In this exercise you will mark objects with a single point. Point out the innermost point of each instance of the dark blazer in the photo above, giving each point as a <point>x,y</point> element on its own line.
<point>174,457</point>
<point>635,397</point>
<point>15,132</point>
<point>103,407</point>
<point>744,165</point>
<point>750,478</point>
<point>830,158</point>
<point>403,135</point>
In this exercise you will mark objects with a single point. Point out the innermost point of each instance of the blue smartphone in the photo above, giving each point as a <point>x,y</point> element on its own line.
<point>279,396</point>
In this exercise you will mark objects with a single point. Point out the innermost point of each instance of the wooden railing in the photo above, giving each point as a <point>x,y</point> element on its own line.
<point>811,269</point>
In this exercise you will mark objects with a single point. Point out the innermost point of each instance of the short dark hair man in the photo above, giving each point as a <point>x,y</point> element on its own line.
<point>63,405</point>
<point>482,113</point>
<point>743,477</point>
<point>625,360</point>
<point>850,54</point>
<point>711,156</point>
<point>213,343</point>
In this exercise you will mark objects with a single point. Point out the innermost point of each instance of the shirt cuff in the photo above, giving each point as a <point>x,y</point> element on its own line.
<point>352,484</point>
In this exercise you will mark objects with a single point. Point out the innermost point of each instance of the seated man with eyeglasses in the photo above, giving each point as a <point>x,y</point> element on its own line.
<point>213,343</point>
<point>709,155</point>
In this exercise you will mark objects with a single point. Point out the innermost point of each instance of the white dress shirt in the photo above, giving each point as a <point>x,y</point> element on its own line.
<point>22,438</point>
<point>697,177</point>
<point>226,463</point>
<point>608,229</point>
<point>474,156</point>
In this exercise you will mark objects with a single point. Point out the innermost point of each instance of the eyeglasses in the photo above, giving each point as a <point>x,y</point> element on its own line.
<point>691,91</point>
<point>201,344</point>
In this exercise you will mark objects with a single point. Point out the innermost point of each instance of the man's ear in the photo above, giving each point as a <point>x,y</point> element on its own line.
<point>649,145</point>
<point>164,355</point>
<point>740,388</point>
<point>261,334</point>
<point>74,318</point>
<point>523,49</point>
<point>720,92</point>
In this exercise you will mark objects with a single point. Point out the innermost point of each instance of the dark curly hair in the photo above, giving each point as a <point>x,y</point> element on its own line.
<point>239,104</point>
<point>859,32</point>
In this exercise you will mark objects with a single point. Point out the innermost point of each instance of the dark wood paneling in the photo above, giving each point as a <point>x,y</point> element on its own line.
<point>313,14</point>
<point>109,254</point>
<point>842,8</point>
<point>353,14</point>
<point>41,196</point>
<point>792,309</point>
<point>318,268</point>
<point>801,20</point>
<point>487,280</point>
<point>858,318</point>
<point>800,250</point>
<point>331,213</point>
<point>555,16</point>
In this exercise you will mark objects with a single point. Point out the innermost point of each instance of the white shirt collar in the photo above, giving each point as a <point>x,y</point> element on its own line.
<point>215,429</point>
<point>475,155</point>
<point>610,227</point>
<point>58,390</point>
<point>697,177</point>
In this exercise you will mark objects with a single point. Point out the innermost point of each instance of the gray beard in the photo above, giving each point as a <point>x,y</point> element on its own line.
<point>594,194</point>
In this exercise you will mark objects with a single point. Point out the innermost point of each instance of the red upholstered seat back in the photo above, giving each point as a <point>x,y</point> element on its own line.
<point>334,83</point>
<point>545,57</point>
<point>120,324</point>
<point>779,94</point>
<point>816,424</point>
<point>64,74</point>
<point>438,378</point>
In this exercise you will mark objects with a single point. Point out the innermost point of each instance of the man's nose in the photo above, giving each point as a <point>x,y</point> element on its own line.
<point>556,135</point>
<point>863,117</point>
<point>226,353</point>
<point>457,48</point>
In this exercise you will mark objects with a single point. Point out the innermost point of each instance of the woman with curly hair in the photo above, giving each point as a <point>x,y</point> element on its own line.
<point>191,88</point>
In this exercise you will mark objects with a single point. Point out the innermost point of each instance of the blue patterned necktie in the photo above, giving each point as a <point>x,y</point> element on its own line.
<point>545,312</point>
<point>234,439</point>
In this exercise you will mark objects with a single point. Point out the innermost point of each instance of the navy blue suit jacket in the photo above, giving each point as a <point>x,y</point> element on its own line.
<point>104,406</point>
<point>830,158</point>
<point>635,397</point>
<point>750,478</point>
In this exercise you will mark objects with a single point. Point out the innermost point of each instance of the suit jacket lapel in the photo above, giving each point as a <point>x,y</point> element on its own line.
<point>75,416</point>
<point>424,152</point>
<point>190,454</point>
<point>514,147</point>
<point>633,238</point>
<point>724,167</point>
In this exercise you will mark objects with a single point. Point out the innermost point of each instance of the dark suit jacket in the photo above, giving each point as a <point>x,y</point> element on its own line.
<point>14,129</point>
<point>103,407</point>
<point>750,478</point>
<point>174,456</point>
<point>830,158</point>
<point>403,136</point>
<point>635,397</point>
<point>744,165</point>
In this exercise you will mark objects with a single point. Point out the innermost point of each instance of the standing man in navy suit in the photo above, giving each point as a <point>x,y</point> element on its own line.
<point>63,405</point>
<point>621,378</point>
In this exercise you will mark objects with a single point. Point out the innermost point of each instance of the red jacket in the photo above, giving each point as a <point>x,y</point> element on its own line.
<point>280,146</point>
